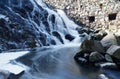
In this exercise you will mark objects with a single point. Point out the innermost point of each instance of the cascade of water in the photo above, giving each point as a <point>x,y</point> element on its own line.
<point>32,23</point>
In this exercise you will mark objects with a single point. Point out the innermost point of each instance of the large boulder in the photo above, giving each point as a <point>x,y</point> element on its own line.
<point>82,57</point>
<point>92,45</point>
<point>82,53</point>
<point>96,57</point>
<point>109,40</point>
<point>114,52</point>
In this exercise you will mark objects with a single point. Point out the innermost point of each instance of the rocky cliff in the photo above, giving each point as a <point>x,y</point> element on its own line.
<point>103,14</point>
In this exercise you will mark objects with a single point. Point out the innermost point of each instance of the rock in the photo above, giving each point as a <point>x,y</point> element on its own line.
<point>4,74</point>
<point>117,35</point>
<point>109,40</point>
<point>57,35</point>
<point>82,60</point>
<point>52,18</point>
<point>69,37</point>
<point>108,58</point>
<point>118,40</point>
<point>114,52</point>
<point>82,57</point>
<point>108,65</point>
<point>103,33</point>
<point>99,35</point>
<point>87,30</point>
<point>102,76</point>
<point>96,57</point>
<point>82,53</point>
<point>92,45</point>
<point>97,30</point>
<point>79,30</point>
<point>14,76</point>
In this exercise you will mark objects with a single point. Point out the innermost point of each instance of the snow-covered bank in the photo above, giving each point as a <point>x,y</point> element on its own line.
<point>8,63</point>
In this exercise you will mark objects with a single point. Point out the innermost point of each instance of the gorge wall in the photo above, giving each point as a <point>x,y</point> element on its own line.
<point>103,14</point>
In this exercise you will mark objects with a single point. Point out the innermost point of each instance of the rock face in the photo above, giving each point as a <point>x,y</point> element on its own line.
<point>95,13</point>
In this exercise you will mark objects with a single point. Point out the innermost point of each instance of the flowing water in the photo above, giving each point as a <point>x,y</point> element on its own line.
<point>29,23</point>
<point>57,62</point>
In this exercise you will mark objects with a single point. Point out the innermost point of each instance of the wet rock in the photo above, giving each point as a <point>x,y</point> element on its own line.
<point>117,35</point>
<point>82,53</point>
<point>4,74</point>
<point>97,30</point>
<point>53,42</point>
<point>52,18</point>
<point>99,35</point>
<point>82,60</point>
<point>96,36</point>
<point>87,30</point>
<point>114,52</point>
<point>15,76</point>
<point>82,57</point>
<point>96,57</point>
<point>109,40</point>
<point>118,40</point>
<point>56,34</point>
<point>69,37</point>
<point>103,32</point>
<point>108,58</point>
<point>92,45</point>
<point>107,65</point>
<point>79,30</point>
<point>102,76</point>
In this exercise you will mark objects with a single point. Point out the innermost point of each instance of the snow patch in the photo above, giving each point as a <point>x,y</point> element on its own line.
<point>8,63</point>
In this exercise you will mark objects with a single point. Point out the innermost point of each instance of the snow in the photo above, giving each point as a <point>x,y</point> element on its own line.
<point>15,69</point>
<point>7,62</point>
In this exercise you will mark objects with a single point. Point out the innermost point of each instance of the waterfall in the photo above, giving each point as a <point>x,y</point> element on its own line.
<point>52,40</point>
<point>28,24</point>
<point>32,23</point>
